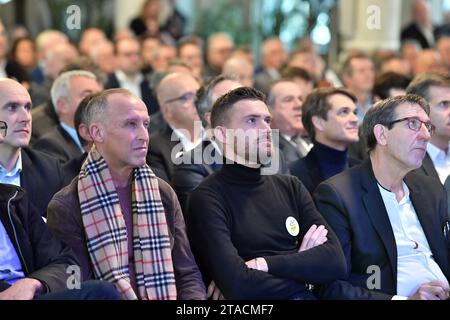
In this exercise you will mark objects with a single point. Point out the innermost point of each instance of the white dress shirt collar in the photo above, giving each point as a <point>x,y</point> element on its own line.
<point>73,134</point>
<point>441,161</point>
<point>130,83</point>
<point>2,69</point>
<point>186,141</point>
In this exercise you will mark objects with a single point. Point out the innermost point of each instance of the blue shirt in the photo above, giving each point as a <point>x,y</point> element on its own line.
<point>12,177</point>
<point>362,109</point>
<point>10,266</point>
<point>73,134</point>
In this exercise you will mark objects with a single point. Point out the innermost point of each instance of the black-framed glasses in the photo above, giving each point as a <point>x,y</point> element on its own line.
<point>414,123</point>
<point>188,96</point>
<point>3,128</point>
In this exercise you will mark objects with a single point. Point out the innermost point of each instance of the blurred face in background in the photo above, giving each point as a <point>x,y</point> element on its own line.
<point>362,77</point>
<point>273,54</point>
<point>3,42</point>
<point>25,53</point>
<point>287,108</point>
<point>192,55</point>
<point>129,58</point>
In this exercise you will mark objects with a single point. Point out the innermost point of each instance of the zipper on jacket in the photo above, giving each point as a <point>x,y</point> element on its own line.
<point>15,233</point>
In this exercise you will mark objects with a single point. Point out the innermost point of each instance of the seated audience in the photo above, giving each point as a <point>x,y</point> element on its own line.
<point>257,235</point>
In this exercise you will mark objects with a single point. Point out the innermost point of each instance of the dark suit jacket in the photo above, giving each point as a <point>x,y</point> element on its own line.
<point>308,170</point>
<point>72,168</point>
<point>428,168</point>
<point>157,122</point>
<point>59,144</point>
<point>41,177</point>
<point>188,174</point>
<point>412,32</point>
<point>147,93</point>
<point>290,152</point>
<point>15,71</point>
<point>159,153</point>
<point>352,205</point>
<point>44,118</point>
<point>41,256</point>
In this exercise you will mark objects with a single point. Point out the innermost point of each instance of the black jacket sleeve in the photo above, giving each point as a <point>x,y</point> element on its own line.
<point>50,257</point>
<point>185,178</point>
<point>333,209</point>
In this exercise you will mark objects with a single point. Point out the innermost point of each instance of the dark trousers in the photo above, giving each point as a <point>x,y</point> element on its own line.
<point>89,290</point>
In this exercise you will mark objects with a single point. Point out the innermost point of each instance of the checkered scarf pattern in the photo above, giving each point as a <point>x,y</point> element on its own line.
<point>106,231</point>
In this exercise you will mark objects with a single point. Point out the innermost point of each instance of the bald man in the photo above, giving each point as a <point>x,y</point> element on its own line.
<point>176,96</point>
<point>40,175</point>
<point>240,69</point>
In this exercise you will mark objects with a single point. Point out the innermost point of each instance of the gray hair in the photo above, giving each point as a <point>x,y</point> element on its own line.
<point>61,86</point>
<point>98,105</point>
<point>384,112</point>
<point>271,98</point>
<point>204,102</point>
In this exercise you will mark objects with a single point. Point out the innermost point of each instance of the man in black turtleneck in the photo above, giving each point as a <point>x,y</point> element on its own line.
<point>257,236</point>
<point>329,116</point>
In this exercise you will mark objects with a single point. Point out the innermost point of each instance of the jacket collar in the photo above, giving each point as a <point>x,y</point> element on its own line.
<point>428,167</point>
<point>377,213</point>
<point>7,191</point>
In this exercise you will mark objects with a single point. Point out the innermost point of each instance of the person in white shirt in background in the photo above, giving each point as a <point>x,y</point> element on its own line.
<point>435,89</point>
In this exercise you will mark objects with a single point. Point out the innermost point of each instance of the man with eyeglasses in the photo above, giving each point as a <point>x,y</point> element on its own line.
<point>435,89</point>
<point>392,223</point>
<point>3,130</point>
<point>176,95</point>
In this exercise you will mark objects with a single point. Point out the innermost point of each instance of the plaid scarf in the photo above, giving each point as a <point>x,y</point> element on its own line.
<point>106,232</point>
